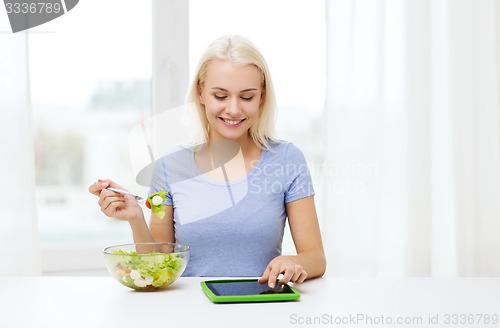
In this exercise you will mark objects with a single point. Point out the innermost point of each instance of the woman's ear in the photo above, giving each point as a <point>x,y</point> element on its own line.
<point>200,94</point>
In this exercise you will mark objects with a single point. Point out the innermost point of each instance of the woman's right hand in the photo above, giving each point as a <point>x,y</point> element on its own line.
<point>115,205</point>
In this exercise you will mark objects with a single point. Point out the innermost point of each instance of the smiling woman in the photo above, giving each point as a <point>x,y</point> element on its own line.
<point>231,95</point>
<point>295,54</point>
<point>242,237</point>
<point>237,82</point>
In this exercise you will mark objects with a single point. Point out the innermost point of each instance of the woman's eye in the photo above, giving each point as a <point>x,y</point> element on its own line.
<point>247,98</point>
<point>219,97</point>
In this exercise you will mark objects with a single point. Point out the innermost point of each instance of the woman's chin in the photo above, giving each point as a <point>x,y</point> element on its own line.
<point>235,135</point>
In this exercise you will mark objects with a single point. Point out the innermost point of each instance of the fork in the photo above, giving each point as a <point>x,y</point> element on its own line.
<point>139,199</point>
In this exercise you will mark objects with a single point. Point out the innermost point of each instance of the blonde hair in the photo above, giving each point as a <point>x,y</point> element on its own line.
<point>240,51</point>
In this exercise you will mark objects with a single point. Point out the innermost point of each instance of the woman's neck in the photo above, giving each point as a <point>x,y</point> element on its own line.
<point>246,143</point>
<point>236,157</point>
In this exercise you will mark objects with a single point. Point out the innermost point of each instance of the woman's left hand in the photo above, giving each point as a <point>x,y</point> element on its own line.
<point>288,266</point>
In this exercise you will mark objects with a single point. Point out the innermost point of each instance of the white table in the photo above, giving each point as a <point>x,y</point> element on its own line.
<point>332,302</point>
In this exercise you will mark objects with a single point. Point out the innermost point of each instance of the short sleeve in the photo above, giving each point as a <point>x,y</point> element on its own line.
<point>298,182</point>
<point>159,180</point>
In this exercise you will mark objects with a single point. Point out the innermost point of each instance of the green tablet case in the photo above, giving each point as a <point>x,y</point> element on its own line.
<point>266,297</point>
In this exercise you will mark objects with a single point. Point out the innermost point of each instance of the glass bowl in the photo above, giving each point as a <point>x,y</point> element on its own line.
<point>146,266</point>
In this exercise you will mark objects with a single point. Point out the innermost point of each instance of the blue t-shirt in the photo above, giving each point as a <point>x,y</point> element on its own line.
<point>233,228</point>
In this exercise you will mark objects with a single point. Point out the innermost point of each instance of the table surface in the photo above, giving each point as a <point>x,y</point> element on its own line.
<point>343,302</point>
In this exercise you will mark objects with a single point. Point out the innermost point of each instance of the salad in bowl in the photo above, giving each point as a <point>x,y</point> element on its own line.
<point>146,266</point>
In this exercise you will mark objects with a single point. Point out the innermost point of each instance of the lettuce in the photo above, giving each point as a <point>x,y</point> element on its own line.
<point>158,210</point>
<point>146,270</point>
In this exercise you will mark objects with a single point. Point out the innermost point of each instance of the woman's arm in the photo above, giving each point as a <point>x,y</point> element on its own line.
<point>310,260</point>
<point>125,208</point>
<point>163,229</point>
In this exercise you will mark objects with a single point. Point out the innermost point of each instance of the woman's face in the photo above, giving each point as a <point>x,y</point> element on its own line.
<point>232,96</point>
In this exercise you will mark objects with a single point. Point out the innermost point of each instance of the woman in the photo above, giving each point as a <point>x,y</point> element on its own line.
<point>229,196</point>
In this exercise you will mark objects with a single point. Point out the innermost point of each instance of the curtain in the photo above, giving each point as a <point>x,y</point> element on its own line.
<point>19,248</point>
<point>412,162</point>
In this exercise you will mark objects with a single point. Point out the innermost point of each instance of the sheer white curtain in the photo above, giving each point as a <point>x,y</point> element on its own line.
<point>412,171</point>
<point>19,252</point>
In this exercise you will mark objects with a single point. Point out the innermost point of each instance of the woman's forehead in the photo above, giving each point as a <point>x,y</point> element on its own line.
<point>227,75</point>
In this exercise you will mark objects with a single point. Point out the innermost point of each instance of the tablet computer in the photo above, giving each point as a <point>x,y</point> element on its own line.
<point>246,290</point>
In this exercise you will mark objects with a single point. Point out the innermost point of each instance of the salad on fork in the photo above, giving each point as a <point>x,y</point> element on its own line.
<point>155,201</point>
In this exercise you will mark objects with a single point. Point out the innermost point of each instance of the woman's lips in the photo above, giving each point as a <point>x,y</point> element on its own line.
<point>231,122</point>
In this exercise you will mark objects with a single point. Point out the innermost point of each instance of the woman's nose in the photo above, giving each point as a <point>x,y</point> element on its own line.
<point>233,108</point>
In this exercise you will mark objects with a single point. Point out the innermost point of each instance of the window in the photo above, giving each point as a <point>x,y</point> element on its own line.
<point>90,83</point>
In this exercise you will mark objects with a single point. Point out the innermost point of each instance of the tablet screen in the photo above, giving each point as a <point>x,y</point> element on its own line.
<point>246,288</point>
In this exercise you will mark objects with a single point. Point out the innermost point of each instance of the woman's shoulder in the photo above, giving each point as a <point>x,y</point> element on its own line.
<point>175,158</point>
<point>178,150</point>
<point>282,150</point>
<point>284,146</point>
